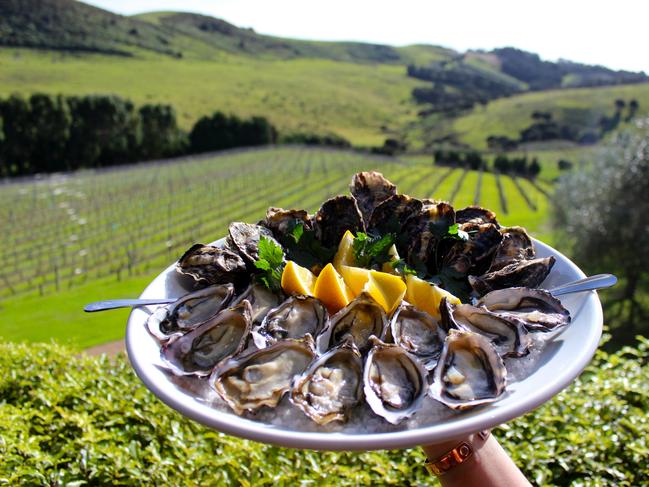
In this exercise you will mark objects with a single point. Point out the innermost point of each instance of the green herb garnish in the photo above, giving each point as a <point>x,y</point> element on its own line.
<point>270,263</point>
<point>372,250</point>
<point>404,269</point>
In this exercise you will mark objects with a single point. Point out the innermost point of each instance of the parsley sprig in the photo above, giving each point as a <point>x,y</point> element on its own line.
<point>372,250</point>
<point>270,263</point>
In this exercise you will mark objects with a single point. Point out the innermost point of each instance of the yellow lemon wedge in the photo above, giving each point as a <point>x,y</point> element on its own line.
<point>387,266</point>
<point>297,279</point>
<point>355,278</point>
<point>330,288</point>
<point>386,289</point>
<point>427,296</point>
<point>345,253</point>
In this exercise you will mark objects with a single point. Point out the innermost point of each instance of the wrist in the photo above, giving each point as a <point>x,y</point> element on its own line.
<point>446,458</point>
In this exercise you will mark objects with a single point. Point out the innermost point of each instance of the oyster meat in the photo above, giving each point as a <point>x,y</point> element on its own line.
<point>360,319</point>
<point>335,217</point>
<point>294,318</point>
<point>258,378</point>
<point>418,332</point>
<point>394,382</point>
<point>281,221</point>
<point>261,300</point>
<point>536,308</point>
<point>369,189</point>
<point>189,311</point>
<point>523,273</point>
<point>212,265</point>
<point>506,333</point>
<point>331,386</point>
<point>469,372</point>
<point>200,350</point>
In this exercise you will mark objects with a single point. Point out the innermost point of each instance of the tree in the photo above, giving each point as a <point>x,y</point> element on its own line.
<point>18,135</point>
<point>161,136</point>
<point>534,168</point>
<point>564,165</point>
<point>633,109</point>
<point>502,164</point>
<point>619,105</point>
<point>4,168</point>
<point>601,214</point>
<point>51,121</point>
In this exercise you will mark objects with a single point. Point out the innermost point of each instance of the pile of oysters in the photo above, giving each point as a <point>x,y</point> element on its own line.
<point>254,345</point>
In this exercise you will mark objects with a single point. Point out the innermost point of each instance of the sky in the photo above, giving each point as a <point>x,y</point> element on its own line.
<point>613,34</point>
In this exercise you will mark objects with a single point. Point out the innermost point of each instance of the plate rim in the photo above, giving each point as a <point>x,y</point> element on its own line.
<point>485,418</point>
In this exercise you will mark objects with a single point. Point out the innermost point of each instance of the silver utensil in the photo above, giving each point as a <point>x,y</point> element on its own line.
<point>124,303</point>
<point>591,283</point>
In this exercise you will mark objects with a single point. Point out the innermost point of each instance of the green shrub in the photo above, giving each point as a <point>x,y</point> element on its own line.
<point>67,420</point>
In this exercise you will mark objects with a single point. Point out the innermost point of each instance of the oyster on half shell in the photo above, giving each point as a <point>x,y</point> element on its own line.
<point>331,386</point>
<point>294,318</point>
<point>469,372</point>
<point>212,265</point>
<point>200,350</point>
<point>189,311</point>
<point>523,273</point>
<point>261,300</point>
<point>258,378</point>
<point>418,332</point>
<point>394,382</point>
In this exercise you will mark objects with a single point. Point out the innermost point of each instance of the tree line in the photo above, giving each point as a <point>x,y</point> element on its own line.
<point>520,166</point>
<point>46,133</point>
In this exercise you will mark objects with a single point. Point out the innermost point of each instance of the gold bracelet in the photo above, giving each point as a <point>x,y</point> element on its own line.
<point>457,456</point>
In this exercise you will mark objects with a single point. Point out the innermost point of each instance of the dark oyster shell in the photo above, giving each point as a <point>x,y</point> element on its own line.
<point>369,189</point>
<point>390,215</point>
<point>423,232</point>
<point>516,245</point>
<point>524,273</point>
<point>476,214</point>
<point>212,265</point>
<point>331,386</point>
<point>473,256</point>
<point>245,238</point>
<point>335,217</point>
<point>200,350</point>
<point>281,221</point>
<point>469,372</point>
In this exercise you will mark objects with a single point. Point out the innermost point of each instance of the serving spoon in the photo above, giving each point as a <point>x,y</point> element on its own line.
<point>591,283</point>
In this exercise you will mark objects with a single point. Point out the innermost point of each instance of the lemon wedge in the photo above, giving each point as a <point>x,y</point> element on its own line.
<point>297,279</point>
<point>330,288</point>
<point>386,289</point>
<point>345,253</point>
<point>427,296</point>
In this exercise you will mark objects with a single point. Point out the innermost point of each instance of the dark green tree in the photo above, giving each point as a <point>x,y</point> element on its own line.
<point>502,164</point>
<point>601,214</point>
<point>473,160</point>
<point>619,105</point>
<point>633,109</point>
<point>161,136</point>
<point>50,121</point>
<point>18,135</point>
<point>534,169</point>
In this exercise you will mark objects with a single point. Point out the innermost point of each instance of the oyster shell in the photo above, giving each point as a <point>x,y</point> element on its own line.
<point>536,308</point>
<point>477,215</point>
<point>369,189</point>
<point>469,372</point>
<point>422,234</point>
<point>394,382</point>
<point>294,318</point>
<point>390,215</point>
<point>418,332</point>
<point>331,386</point>
<point>212,265</point>
<point>474,255</point>
<point>261,300</point>
<point>335,217</point>
<point>189,311</point>
<point>523,273</point>
<point>281,221</point>
<point>516,245</point>
<point>507,333</point>
<point>200,350</point>
<point>245,238</point>
<point>259,378</point>
<point>360,319</point>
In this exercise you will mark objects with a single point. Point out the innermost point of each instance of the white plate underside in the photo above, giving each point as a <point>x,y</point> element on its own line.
<point>555,367</point>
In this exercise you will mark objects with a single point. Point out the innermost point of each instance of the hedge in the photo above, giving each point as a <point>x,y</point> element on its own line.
<point>78,420</point>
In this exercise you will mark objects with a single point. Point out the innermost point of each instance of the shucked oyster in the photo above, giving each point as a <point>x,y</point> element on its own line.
<point>294,318</point>
<point>281,221</point>
<point>335,217</point>
<point>394,382</point>
<point>536,308</point>
<point>259,378</point>
<point>469,372</point>
<point>331,386</point>
<point>198,351</point>
<point>418,332</point>
<point>212,265</point>
<point>261,300</point>
<point>189,311</point>
<point>360,319</point>
<point>369,189</point>
<point>506,333</point>
<point>524,273</point>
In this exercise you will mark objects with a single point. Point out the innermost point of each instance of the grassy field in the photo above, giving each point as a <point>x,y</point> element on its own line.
<point>95,235</point>
<point>352,100</point>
